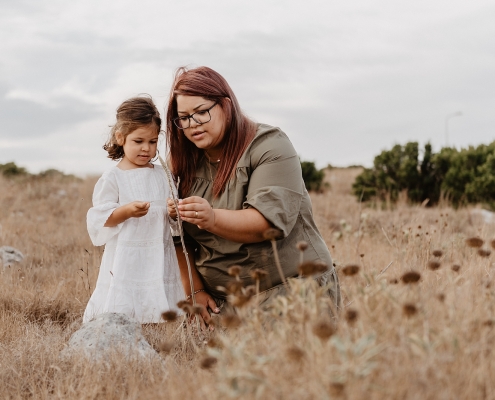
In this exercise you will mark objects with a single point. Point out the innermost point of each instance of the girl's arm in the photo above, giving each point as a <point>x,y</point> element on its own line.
<point>136,209</point>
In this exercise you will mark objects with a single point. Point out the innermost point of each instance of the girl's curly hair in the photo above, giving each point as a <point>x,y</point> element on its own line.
<point>132,114</point>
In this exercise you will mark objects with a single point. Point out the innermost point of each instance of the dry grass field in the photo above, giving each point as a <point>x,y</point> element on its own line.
<point>394,339</point>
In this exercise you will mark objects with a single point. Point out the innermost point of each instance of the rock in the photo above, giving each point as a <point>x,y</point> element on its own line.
<point>9,255</point>
<point>110,332</point>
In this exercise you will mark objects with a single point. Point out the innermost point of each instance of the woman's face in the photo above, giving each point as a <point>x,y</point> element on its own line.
<point>207,136</point>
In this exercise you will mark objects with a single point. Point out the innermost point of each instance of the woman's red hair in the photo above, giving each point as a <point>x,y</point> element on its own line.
<point>185,157</point>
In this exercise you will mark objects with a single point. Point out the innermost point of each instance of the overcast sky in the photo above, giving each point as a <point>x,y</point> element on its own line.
<point>344,80</point>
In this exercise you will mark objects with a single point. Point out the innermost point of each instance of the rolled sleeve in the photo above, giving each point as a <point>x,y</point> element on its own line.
<point>275,187</point>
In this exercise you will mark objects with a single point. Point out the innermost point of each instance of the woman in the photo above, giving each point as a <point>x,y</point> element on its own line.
<point>237,179</point>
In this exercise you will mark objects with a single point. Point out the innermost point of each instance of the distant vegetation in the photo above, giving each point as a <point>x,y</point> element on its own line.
<point>460,176</point>
<point>313,177</point>
<point>12,170</point>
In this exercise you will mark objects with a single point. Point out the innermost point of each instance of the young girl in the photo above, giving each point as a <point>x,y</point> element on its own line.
<point>139,274</point>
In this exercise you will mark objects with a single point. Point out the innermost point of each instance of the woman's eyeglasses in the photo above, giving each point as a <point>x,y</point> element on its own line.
<point>200,117</point>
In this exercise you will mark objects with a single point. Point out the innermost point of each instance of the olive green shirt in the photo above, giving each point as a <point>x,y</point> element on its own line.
<point>268,178</point>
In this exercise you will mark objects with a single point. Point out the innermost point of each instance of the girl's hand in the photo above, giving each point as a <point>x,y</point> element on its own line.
<point>137,209</point>
<point>197,211</point>
<point>172,211</point>
<point>207,303</point>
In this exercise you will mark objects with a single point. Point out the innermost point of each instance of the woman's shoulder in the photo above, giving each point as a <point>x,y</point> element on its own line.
<point>269,141</point>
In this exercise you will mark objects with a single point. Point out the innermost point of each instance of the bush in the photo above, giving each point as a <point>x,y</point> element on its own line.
<point>464,176</point>
<point>11,169</point>
<point>313,177</point>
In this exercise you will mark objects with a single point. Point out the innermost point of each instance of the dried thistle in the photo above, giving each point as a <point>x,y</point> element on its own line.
<point>185,306</point>
<point>484,252</point>
<point>492,243</point>
<point>350,269</point>
<point>234,287</point>
<point>258,274</point>
<point>295,353</point>
<point>441,297</point>
<point>165,347</point>
<point>475,242</point>
<point>351,315</point>
<point>393,281</point>
<point>309,268</point>
<point>208,362</point>
<point>409,309</point>
<point>323,329</point>
<point>169,315</point>
<point>456,267</point>
<point>337,389</point>
<point>489,323</point>
<point>214,343</point>
<point>411,277</point>
<point>302,245</point>
<point>273,234</point>
<point>437,253</point>
<point>235,271</point>
<point>197,309</point>
<point>231,320</point>
<point>434,265</point>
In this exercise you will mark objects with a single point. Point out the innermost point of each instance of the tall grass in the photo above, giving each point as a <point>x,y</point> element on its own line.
<point>394,338</point>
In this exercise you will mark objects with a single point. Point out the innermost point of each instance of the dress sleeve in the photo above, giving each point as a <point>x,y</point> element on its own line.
<point>275,187</point>
<point>105,201</point>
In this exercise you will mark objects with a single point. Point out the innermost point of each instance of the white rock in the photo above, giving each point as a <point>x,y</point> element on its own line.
<point>9,255</point>
<point>110,332</point>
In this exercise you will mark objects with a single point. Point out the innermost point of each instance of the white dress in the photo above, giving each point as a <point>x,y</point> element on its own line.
<point>139,275</point>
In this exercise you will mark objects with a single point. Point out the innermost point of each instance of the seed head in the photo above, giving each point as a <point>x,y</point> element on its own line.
<point>302,245</point>
<point>351,315</point>
<point>258,274</point>
<point>492,243</point>
<point>489,323</point>
<point>185,306</point>
<point>234,287</point>
<point>437,253</point>
<point>231,320</point>
<point>273,234</point>
<point>250,291</point>
<point>214,343</point>
<point>309,268</point>
<point>234,270</point>
<point>350,269</point>
<point>295,353</point>
<point>393,281</point>
<point>456,267</point>
<point>197,309</point>
<point>433,265</point>
<point>323,329</point>
<point>208,362</point>
<point>411,277</point>
<point>441,297</point>
<point>239,299</point>
<point>484,252</point>
<point>409,309</point>
<point>169,315</point>
<point>337,389</point>
<point>165,347</point>
<point>475,242</point>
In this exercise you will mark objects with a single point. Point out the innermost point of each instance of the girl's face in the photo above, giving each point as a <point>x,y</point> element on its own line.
<point>209,135</point>
<point>139,147</point>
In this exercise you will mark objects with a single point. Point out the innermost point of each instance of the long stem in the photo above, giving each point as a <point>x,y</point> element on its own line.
<point>173,190</point>
<point>277,262</point>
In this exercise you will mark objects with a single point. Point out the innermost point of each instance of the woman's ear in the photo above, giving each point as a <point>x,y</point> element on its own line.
<point>120,138</point>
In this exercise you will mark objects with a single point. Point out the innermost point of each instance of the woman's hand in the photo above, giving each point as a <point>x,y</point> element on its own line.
<point>206,302</point>
<point>197,211</point>
<point>172,211</point>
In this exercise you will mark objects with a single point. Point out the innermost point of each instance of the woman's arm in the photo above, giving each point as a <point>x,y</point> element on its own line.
<point>202,298</point>
<point>243,226</point>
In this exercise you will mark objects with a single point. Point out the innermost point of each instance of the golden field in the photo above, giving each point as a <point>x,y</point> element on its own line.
<point>392,340</point>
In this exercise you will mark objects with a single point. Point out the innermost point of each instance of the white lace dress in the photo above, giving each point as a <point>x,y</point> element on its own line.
<point>139,275</point>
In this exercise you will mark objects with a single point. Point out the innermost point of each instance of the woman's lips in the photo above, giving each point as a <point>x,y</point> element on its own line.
<point>197,134</point>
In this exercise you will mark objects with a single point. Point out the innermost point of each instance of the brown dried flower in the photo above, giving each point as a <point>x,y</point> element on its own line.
<point>441,297</point>
<point>350,269</point>
<point>214,342</point>
<point>337,389</point>
<point>475,242</point>
<point>411,277</point>
<point>351,315</point>
<point>234,287</point>
<point>258,274</point>
<point>434,265</point>
<point>302,245</point>
<point>273,234</point>
<point>169,315</point>
<point>323,329</point>
<point>295,353</point>
<point>208,362</point>
<point>437,253</point>
<point>484,252</point>
<point>309,268</point>
<point>235,270</point>
<point>185,306</point>
<point>165,347</point>
<point>197,309</point>
<point>231,320</point>
<point>456,267</point>
<point>492,243</point>
<point>409,309</point>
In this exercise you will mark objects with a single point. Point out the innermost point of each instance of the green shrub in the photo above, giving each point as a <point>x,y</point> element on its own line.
<point>11,169</point>
<point>313,177</point>
<point>464,176</point>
